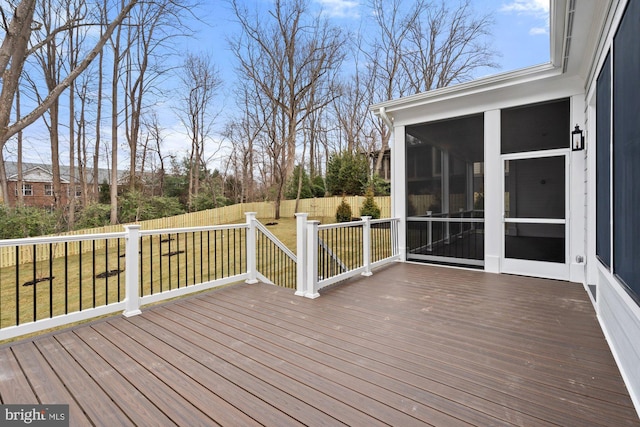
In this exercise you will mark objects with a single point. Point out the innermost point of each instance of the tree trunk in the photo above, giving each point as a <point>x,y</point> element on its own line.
<point>72,141</point>
<point>55,155</point>
<point>20,200</point>
<point>12,58</point>
<point>113,182</point>
<point>96,149</point>
<point>384,146</point>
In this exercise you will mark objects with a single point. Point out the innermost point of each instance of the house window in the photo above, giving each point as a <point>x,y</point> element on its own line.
<point>48,189</point>
<point>626,155</point>
<point>603,164</point>
<point>27,190</point>
<point>535,127</point>
<point>78,191</point>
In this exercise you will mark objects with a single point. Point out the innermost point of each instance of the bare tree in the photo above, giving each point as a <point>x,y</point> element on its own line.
<point>150,30</point>
<point>14,51</point>
<point>74,12</point>
<point>200,82</point>
<point>101,17</point>
<point>20,200</point>
<point>51,58</point>
<point>115,43</point>
<point>153,150</point>
<point>247,135</point>
<point>423,46</point>
<point>287,53</point>
<point>351,109</point>
<point>83,145</point>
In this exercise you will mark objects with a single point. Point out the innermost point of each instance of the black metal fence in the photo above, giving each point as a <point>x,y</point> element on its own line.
<point>172,260</point>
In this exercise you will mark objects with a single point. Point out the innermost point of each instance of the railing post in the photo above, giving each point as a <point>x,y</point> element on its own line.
<point>132,294</point>
<point>366,245</point>
<point>395,223</point>
<point>251,248</point>
<point>301,253</point>
<point>429,232</point>
<point>312,260</point>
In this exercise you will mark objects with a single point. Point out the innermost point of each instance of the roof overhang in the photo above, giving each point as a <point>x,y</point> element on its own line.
<point>484,84</point>
<point>572,28</point>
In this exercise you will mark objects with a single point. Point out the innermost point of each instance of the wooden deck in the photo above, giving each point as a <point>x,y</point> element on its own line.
<point>411,345</point>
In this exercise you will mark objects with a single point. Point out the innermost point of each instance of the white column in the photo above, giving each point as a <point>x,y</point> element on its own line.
<point>366,245</point>
<point>577,191</point>
<point>251,248</point>
<point>590,224</point>
<point>493,193</point>
<point>132,295</point>
<point>301,253</point>
<point>312,260</point>
<point>398,187</point>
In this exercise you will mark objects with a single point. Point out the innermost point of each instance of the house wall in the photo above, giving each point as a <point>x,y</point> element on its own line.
<point>618,313</point>
<point>38,198</point>
<point>619,317</point>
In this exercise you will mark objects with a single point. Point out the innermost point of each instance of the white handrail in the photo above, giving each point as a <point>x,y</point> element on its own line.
<point>441,219</point>
<point>61,239</point>
<point>276,241</point>
<point>192,229</point>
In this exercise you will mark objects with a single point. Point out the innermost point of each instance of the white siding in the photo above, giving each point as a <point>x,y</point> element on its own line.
<point>620,320</point>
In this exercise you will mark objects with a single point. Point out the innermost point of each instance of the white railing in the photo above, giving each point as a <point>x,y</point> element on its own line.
<point>275,263</point>
<point>49,291</point>
<point>331,253</point>
<point>118,272</point>
<point>67,279</point>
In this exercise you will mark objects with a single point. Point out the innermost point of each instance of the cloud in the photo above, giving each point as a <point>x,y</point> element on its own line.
<point>537,10</point>
<point>528,7</point>
<point>538,31</point>
<point>340,8</point>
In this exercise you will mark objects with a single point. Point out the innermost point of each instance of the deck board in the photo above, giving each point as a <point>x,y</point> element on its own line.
<point>129,399</point>
<point>14,386</point>
<point>417,363</point>
<point>400,382</point>
<point>44,381</point>
<point>410,345</point>
<point>97,404</point>
<point>314,369</point>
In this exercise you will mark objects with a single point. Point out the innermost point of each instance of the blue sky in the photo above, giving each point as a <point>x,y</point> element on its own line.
<point>520,33</point>
<point>520,37</point>
<point>520,30</point>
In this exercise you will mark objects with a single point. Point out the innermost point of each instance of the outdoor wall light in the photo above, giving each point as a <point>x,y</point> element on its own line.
<point>577,139</point>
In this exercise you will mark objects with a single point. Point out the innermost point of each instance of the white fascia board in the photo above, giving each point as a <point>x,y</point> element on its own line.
<point>479,99</point>
<point>483,84</point>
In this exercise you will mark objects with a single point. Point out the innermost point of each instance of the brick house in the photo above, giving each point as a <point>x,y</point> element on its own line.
<point>37,184</point>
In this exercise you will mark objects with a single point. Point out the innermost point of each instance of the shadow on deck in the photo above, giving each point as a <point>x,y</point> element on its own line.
<point>410,345</point>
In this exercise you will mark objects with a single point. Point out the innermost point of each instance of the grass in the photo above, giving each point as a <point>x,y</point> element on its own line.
<point>285,229</point>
